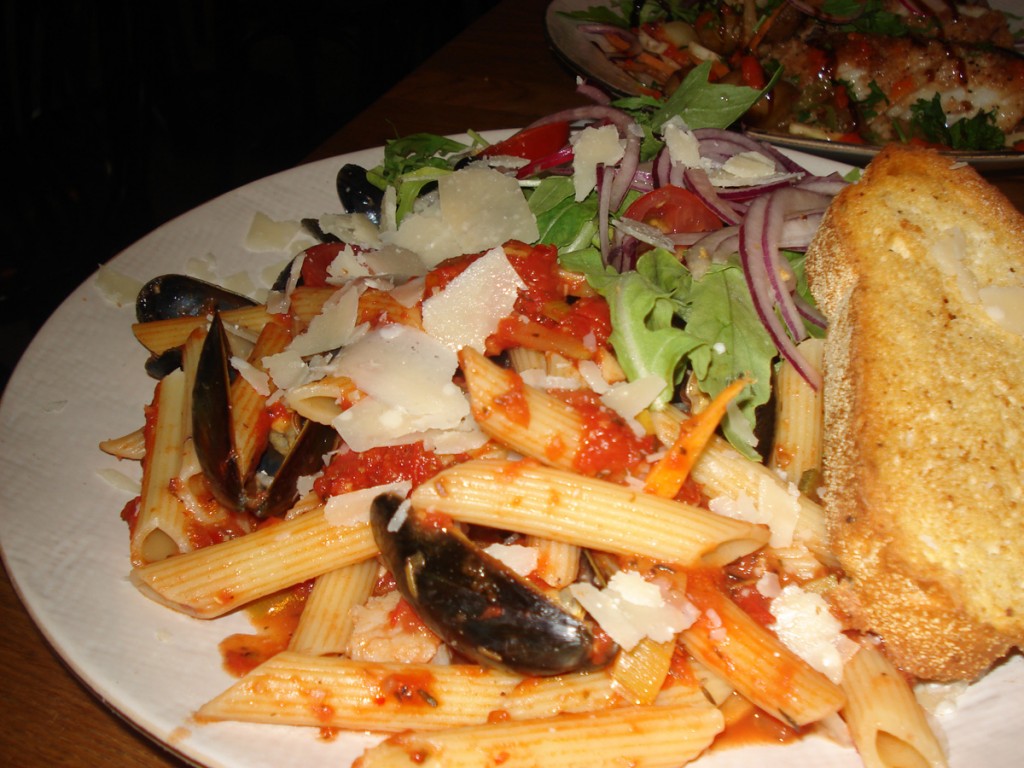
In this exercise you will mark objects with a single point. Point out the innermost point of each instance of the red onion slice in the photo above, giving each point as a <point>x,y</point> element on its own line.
<point>697,181</point>
<point>750,239</point>
<point>770,216</point>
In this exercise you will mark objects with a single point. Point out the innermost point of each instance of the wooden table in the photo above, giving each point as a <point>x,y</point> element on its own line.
<point>499,73</point>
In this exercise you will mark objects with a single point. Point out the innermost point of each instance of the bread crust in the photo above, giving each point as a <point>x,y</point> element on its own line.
<point>924,412</point>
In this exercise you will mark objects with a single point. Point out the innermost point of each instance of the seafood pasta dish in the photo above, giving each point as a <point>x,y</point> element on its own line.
<point>518,459</point>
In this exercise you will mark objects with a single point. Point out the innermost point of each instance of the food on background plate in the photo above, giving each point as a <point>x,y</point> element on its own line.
<point>929,72</point>
<point>920,270</point>
<point>531,402</point>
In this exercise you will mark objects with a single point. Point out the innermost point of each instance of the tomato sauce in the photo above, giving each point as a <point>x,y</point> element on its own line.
<point>275,618</point>
<point>352,471</point>
<point>608,445</point>
<point>513,402</point>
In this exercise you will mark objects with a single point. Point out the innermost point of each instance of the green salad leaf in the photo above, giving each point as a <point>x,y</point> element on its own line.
<point>665,322</point>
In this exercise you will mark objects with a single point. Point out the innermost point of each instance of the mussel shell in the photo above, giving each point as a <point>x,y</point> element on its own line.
<point>357,195</point>
<point>305,458</point>
<point>211,419</point>
<point>171,296</point>
<point>475,603</point>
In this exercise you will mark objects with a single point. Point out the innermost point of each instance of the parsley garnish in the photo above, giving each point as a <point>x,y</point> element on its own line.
<point>980,132</point>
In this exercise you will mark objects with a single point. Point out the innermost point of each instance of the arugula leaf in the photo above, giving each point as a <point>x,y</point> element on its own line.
<point>560,219</point>
<point>707,105</point>
<point>413,152</point>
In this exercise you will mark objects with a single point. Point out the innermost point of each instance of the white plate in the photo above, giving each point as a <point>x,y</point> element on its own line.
<point>581,55</point>
<point>66,549</point>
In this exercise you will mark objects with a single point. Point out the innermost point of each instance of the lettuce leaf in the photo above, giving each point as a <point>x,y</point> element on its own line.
<point>667,323</point>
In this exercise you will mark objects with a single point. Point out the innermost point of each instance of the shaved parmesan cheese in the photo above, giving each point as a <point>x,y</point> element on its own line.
<point>345,266</point>
<point>519,559</point>
<point>683,148</point>
<point>409,294</point>
<point>807,627</point>
<point>477,208</point>
<point>401,366</point>
<point>351,509</point>
<point>354,228</point>
<point>392,260</point>
<point>428,235</point>
<point>407,377</point>
<point>777,505</point>
<point>592,147</point>
<point>540,379</point>
<point>266,234</point>
<point>465,438</point>
<point>287,369</point>
<point>485,208</point>
<point>334,327</point>
<point>593,376</point>
<point>740,508</point>
<point>398,519</point>
<point>257,379</point>
<point>470,307</point>
<point>631,608</point>
<point>749,165</point>
<point>782,504</point>
<point>629,398</point>
<point>116,288</point>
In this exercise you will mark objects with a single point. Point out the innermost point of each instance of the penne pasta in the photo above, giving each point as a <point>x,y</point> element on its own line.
<point>586,512</point>
<point>887,724</point>
<point>799,413</point>
<point>642,737</point>
<point>248,417</point>
<point>722,471</point>
<point>160,528</point>
<point>729,642</point>
<point>300,689</point>
<point>525,419</point>
<point>212,581</point>
<point>325,624</point>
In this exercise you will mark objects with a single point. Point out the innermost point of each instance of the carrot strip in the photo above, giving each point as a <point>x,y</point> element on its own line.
<point>666,478</point>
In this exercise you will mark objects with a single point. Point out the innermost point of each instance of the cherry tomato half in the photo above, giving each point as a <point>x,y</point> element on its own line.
<point>673,209</point>
<point>533,143</point>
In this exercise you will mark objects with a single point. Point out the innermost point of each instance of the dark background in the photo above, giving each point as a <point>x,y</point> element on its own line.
<point>119,115</point>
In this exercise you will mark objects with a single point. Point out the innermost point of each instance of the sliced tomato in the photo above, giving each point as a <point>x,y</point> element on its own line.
<point>673,209</point>
<point>317,259</point>
<point>533,143</point>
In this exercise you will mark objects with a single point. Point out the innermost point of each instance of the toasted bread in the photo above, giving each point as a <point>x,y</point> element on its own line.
<point>924,410</point>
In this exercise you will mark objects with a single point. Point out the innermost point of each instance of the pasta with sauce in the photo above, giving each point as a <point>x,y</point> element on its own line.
<point>523,432</point>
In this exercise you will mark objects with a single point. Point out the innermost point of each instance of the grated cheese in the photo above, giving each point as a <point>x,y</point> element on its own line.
<point>805,625</point>
<point>631,608</point>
